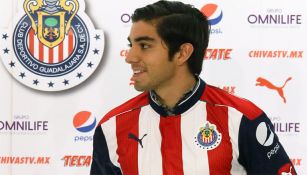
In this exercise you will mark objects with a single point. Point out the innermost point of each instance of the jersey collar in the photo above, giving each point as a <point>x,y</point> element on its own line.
<point>184,104</point>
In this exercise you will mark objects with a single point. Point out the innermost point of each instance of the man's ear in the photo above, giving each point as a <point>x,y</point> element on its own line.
<point>184,53</point>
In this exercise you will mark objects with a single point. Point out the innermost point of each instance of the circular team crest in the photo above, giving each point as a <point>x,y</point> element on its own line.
<point>208,137</point>
<point>53,45</point>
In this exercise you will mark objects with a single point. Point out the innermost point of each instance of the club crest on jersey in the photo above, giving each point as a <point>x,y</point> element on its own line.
<point>208,137</point>
<point>52,44</point>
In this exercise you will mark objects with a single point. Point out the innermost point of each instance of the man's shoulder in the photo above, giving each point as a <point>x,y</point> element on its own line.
<point>218,97</point>
<point>130,105</point>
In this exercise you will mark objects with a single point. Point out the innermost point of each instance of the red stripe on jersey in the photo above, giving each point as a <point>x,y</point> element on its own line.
<point>127,150</point>
<point>171,146</point>
<point>31,41</point>
<point>218,96</point>
<point>218,115</point>
<point>136,102</point>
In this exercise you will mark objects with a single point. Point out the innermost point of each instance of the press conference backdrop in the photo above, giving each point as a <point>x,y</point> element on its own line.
<point>48,114</point>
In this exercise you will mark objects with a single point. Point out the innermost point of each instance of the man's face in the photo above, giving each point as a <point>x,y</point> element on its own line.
<point>148,57</point>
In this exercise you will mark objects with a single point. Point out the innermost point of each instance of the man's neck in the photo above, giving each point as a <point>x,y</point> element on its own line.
<point>171,94</point>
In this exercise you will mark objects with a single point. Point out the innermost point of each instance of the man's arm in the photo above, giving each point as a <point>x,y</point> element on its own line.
<point>260,151</point>
<point>101,163</point>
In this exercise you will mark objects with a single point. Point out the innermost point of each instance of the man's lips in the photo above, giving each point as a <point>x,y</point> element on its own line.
<point>136,74</point>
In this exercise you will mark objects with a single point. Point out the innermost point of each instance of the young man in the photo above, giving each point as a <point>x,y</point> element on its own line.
<point>180,124</point>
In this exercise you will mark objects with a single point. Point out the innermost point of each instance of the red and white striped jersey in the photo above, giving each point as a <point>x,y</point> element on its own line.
<point>210,132</point>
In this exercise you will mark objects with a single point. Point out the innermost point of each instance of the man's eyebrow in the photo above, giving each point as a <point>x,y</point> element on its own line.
<point>141,38</point>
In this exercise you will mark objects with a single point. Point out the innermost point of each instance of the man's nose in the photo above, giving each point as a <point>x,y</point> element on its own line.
<point>132,56</point>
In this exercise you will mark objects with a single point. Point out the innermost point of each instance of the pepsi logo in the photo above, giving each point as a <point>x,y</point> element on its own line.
<point>213,13</point>
<point>84,121</point>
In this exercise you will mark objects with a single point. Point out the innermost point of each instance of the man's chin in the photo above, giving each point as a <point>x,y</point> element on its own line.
<point>140,88</point>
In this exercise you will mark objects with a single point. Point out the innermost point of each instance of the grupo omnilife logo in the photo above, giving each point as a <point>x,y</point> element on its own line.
<point>276,17</point>
<point>286,126</point>
<point>24,124</point>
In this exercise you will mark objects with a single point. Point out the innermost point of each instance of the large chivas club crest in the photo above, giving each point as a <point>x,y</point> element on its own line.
<point>52,45</point>
<point>51,19</point>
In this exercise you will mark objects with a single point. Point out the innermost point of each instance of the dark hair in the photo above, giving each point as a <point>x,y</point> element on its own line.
<point>178,23</point>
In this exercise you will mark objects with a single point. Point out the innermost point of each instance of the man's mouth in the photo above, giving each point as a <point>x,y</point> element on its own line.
<point>138,70</point>
<point>137,73</point>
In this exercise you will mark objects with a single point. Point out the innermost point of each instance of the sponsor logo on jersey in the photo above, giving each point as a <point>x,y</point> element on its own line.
<point>208,137</point>
<point>266,83</point>
<point>264,134</point>
<point>273,151</point>
<point>135,138</point>
<point>52,46</point>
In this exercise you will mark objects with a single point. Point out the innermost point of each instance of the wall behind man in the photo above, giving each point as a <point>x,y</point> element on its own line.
<point>245,46</point>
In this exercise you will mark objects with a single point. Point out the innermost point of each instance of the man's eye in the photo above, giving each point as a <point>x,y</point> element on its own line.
<point>129,45</point>
<point>144,46</point>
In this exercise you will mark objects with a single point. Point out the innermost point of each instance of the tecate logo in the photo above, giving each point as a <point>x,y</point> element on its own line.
<point>77,160</point>
<point>218,54</point>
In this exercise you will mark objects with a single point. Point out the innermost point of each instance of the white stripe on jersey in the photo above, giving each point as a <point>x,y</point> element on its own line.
<point>234,121</point>
<point>109,131</point>
<point>150,155</point>
<point>190,151</point>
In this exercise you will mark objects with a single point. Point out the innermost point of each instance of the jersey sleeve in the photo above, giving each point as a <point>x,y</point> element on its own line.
<point>101,163</point>
<point>260,151</point>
